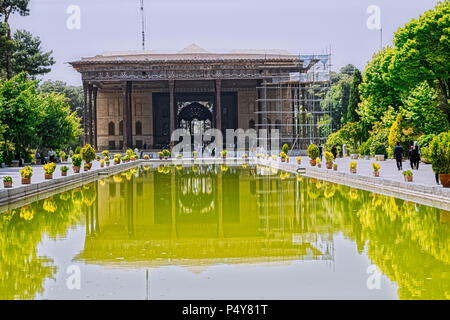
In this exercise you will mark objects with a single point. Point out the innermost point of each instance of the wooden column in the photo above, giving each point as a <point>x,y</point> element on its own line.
<point>127,115</point>
<point>95,90</point>
<point>218,104</point>
<point>91,137</point>
<point>172,109</point>
<point>85,110</point>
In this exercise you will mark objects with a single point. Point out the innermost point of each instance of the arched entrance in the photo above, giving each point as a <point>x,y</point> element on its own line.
<point>195,117</point>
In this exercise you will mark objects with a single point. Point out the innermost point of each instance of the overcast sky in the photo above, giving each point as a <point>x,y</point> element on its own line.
<point>299,26</point>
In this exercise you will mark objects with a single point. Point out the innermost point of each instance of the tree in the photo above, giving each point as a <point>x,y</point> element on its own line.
<point>28,55</point>
<point>7,8</point>
<point>421,109</point>
<point>423,53</point>
<point>20,112</point>
<point>74,94</point>
<point>354,99</point>
<point>59,127</point>
<point>377,93</point>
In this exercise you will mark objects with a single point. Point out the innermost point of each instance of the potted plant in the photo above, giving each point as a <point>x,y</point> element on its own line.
<point>224,154</point>
<point>7,182</point>
<point>49,168</point>
<point>97,157</point>
<point>439,154</point>
<point>64,170</point>
<point>319,163</point>
<point>313,153</point>
<point>329,158</point>
<point>166,154</point>
<point>26,174</point>
<point>283,156</point>
<point>102,163</point>
<point>194,154</point>
<point>299,160</point>
<point>335,166</point>
<point>134,157</point>
<point>63,156</point>
<point>86,167</point>
<point>179,156</point>
<point>285,148</point>
<point>76,162</point>
<point>146,157</point>
<point>408,175</point>
<point>258,156</point>
<point>107,161</point>
<point>161,155</point>
<point>105,153</point>
<point>125,158</point>
<point>353,165</point>
<point>88,154</point>
<point>117,158</point>
<point>376,169</point>
<point>244,156</point>
<point>287,159</point>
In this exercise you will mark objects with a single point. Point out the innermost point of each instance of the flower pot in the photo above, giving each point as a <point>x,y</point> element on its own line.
<point>7,184</point>
<point>335,168</point>
<point>63,173</point>
<point>76,169</point>
<point>48,176</point>
<point>90,165</point>
<point>86,169</point>
<point>283,160</point>
<point>329,165</point>
<point>312,163</point>
<point>26,180</point>
<point>376,173</point>
<point>408,178</point>
<point>101,165</point>
<point>287,160</point>
<point>107,164</point>
<point>352,170</point>
<point>160,158</point>
<point>299,162</point>
<point>165,157</point>
<point>319,165</point>
<point>224,157</point>
<point>116,162</point>
<point>445,180</point>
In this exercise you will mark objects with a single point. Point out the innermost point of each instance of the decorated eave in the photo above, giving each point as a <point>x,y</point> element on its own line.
<point>186,65</point>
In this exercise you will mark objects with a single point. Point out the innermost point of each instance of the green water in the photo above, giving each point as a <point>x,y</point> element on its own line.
<point>223,232</point>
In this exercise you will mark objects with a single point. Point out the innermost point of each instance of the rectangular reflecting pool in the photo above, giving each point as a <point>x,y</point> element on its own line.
<point>222,232</point>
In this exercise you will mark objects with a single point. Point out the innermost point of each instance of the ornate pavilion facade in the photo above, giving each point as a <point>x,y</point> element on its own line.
<point>139,99</point>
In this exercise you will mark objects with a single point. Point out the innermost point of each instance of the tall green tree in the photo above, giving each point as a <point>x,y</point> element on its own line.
<point>8,8</point>
<point>354,99</point>
<point>58,127</point>
<point>28,55</point>
<point>423,53</point>
<point>20,112</point>
<point>74,94</point>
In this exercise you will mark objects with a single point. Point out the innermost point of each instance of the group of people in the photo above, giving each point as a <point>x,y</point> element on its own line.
<point>414,156</point>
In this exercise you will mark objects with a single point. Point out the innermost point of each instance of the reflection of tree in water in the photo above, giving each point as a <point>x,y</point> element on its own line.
<point>22,271</point>
<point>410,243</point>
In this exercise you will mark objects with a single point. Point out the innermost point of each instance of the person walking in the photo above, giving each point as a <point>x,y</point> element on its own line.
<point>415,156</point>
<point>398,154</point>
<point>320,151</point>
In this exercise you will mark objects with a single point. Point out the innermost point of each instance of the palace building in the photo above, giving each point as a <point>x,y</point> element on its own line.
<point>137,99</point>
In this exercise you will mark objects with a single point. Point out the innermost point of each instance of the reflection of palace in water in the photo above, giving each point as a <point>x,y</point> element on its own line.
<point>201,215</point>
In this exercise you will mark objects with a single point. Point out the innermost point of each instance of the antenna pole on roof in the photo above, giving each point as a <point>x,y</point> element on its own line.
<point>143,25</point>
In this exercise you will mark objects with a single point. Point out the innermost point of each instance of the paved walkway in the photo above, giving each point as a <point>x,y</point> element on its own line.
<point>423,176</point>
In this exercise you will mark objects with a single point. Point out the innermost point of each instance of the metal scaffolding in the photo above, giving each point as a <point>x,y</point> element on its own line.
<point>296,104</point>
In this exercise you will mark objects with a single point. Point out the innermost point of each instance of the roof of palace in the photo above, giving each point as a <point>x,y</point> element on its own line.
<point>191,53</point>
